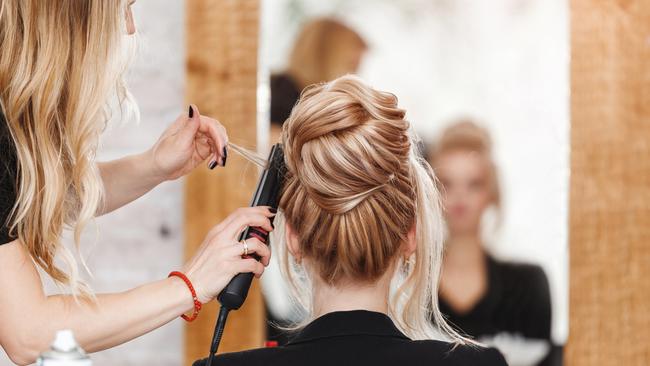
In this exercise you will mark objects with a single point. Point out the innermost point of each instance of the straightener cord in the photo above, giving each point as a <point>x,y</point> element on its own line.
<point>218,332</point>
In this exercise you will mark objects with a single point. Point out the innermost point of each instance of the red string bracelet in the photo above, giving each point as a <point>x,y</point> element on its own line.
<point>197,303</point>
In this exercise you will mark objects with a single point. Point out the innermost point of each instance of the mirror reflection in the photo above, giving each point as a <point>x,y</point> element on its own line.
<point>492,116</point>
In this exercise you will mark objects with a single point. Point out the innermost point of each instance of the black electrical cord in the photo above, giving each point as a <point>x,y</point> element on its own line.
<point>218,332</point>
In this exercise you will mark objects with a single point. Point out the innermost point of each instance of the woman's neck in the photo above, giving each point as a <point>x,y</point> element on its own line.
<point>463,250</point>
<point>351,296</point>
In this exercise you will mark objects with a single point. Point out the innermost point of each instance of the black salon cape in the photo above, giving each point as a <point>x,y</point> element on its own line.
<point>359,338</point>
<point>517,301</point>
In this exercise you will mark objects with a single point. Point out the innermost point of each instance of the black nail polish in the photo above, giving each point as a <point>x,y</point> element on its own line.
<point>225,155</point>
<point>213,164</point>
<point>191,112</point>
<point>273,210</point>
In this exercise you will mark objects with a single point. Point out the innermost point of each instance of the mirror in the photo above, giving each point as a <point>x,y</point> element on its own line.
<point>498,68</point>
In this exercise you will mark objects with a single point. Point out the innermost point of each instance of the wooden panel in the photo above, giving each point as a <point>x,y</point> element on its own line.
<point>222,38</point>
<point>610,184</point>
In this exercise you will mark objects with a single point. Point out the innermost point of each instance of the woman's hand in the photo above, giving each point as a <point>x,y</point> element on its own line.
<point>189,141</point>
<point>185,144</point>
<point>219,258</point>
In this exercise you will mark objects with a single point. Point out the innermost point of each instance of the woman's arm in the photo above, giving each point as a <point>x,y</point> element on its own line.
<point>126,179</point>
<point>188,142</point>
<point>29,319</point>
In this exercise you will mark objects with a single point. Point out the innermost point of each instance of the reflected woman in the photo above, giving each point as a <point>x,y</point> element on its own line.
<point>324,50</point>
<point>478,293</point>
<point>361,248</point>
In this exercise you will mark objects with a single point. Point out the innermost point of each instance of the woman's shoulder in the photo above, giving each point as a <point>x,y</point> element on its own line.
<point>411,353</point>
<point>519,267</point>
<point>527,275</point>
<point>260,356</point>
<point>460,355</point>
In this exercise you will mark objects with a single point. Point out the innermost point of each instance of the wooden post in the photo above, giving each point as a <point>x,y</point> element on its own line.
<point>222,38</point>
<point>610,183</point>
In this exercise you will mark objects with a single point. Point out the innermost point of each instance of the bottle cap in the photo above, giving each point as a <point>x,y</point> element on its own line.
<point>64,341</point>
<point>64,352</point>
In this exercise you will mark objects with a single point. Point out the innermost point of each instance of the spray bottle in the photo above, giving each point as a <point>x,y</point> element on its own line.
<point>64,352</point>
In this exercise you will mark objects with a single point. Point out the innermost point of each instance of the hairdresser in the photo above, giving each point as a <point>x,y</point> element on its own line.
<point>61,62</point>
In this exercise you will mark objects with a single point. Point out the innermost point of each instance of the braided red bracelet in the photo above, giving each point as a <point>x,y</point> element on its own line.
<point>197,303</point>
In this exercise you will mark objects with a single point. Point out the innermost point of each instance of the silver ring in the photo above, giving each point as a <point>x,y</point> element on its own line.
<point>245,251</point>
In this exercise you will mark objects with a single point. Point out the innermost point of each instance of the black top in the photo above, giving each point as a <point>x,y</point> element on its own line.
<point>360,338</point>
<point>8,179</point>
<point>517,301</point>
<point>284,95</point>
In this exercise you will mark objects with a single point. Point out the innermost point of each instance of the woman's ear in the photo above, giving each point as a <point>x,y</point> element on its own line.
<point>292,242</point>
<point>411,243</point>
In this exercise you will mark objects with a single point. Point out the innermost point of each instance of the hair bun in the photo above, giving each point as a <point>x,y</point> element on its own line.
<point>345,141</point>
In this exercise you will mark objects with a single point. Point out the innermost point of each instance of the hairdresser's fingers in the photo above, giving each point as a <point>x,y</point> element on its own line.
<point>191,125</point>
<point>218,136</point>
<point>249,265</point>
<point>254,246</point>
<point>212,148</point>
<point>264,210</point>
<point>262,250</point>
<point>228,221</point>
<point>249,216</point>
<point>202,147</point>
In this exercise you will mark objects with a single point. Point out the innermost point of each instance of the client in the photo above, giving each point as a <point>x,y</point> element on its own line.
<point>364,231</point>
<point>487,298</point>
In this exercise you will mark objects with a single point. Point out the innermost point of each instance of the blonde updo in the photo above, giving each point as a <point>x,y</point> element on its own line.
<point>354,188</point>
<point>351,199</point>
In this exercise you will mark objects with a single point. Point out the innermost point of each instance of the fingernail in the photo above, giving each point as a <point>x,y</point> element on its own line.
<point>273,210</point>
<point>191,112</point>
<point>212,164</point>
<point>225,156</point>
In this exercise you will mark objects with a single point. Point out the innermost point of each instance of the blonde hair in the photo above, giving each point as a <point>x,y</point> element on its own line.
<point>467,135</point>
<point>322,50</point>
<point>61,62</point>
<point>355,186</point>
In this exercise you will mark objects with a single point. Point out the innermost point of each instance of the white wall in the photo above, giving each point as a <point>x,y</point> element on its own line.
<point>503,62</point>
<point>143,241</point>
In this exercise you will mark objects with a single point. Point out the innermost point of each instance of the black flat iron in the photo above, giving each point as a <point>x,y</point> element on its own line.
<point>267,194</point>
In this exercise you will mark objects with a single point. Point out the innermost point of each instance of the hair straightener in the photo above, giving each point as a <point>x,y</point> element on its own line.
<point>267,194</point>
